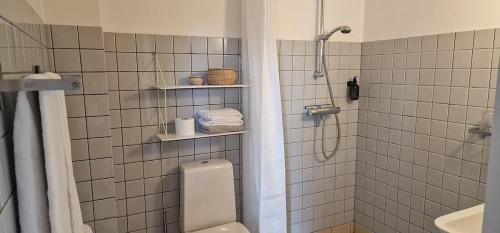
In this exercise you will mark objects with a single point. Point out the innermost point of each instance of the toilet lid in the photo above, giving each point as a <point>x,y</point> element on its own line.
<point>234,227</point>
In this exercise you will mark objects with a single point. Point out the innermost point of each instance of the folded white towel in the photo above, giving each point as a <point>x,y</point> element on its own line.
<point>225,113</point>
<point>204,122</point>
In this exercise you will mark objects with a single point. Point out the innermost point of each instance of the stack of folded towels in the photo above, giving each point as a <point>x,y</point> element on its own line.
<point>219,121</point>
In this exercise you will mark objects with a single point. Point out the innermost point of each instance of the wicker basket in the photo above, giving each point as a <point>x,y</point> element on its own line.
<point>221,77</point>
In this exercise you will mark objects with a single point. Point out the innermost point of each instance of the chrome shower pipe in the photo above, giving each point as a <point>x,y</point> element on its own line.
<point>320,43</point>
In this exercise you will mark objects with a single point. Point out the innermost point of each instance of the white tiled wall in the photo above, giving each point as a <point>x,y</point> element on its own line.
<point>21,46</point>
<point>127,180</point>
<point>416,159</point>
<point>147,170</point>
<point>405,155</point>
<point>320,195</point>
<point>80,50</point>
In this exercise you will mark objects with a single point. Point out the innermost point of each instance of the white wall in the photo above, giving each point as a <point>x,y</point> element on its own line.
<point>72,12</point>
<point>386,19</point>
<point>37,6</point>
<point>294,19</point>
<point>175,17</point>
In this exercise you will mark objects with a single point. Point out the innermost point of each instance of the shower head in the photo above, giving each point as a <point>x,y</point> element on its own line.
<point>344,29</point>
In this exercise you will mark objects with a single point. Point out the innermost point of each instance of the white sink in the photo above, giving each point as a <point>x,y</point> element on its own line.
<point>464,221</point>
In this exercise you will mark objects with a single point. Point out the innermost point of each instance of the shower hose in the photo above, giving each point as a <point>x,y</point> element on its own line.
<point>327,156</point>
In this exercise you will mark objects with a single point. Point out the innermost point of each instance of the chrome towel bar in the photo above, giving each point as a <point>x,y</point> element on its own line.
<point>67,83</point>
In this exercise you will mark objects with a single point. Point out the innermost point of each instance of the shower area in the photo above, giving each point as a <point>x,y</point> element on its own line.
<point>386,107</point>
<point>415,145</point>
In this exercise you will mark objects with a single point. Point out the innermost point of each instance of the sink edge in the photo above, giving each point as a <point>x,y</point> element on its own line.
<point>441,222</point>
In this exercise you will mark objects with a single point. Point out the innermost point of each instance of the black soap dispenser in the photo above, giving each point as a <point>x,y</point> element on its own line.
<point>353,89</point>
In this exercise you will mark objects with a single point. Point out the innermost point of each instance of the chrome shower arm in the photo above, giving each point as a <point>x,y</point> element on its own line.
<point>320,49</point>
<point>320,44</point>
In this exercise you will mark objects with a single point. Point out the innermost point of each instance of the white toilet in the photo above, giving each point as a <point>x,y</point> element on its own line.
<point>207,198</point>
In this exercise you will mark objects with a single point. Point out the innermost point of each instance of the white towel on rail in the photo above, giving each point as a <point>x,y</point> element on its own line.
<point>29,165</point>
<point>64,205</point>
<point>64,210</point>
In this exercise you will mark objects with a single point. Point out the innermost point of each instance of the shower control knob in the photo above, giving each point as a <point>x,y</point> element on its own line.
<point>318,74</point>
<point>321,110</point>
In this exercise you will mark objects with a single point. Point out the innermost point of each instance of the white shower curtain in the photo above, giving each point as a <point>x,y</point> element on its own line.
<point>264,188</point>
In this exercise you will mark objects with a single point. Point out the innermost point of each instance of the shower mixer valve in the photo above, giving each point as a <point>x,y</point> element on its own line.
<point>320,110</point>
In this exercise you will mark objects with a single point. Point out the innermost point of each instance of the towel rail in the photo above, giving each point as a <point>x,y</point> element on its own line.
<point>67,83</point>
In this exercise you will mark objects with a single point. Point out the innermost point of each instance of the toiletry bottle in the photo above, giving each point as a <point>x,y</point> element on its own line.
<point>353,89</point>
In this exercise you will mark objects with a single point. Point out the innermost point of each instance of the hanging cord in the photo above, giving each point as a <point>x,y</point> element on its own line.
<point>323,118</point>
<point>163,119</point>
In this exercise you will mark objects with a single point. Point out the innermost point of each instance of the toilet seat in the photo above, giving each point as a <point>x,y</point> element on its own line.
<point>232,227</point>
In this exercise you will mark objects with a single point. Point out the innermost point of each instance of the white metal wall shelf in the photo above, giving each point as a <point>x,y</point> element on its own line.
<point>176,87</point>
<point>172,137</point>
<point>163,87</point>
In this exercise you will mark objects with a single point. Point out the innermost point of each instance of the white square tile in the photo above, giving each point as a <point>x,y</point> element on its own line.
<point>414,44</point>
<point>491,98</point>
<point>474,115</point>
<point>429,43</point>
<point>446,41</point>
<point>497,40</point>
<point>438,129</point>
<point>442,77</point>
<point>464,40</point>
<point>410,108</point>
<point>440,111</point>
<point>397,91</point>
<point>462,59</point>
<point>484,38</point>
<point>125,42</point>
<point>480,78</point>
<point>441,94</point>
<point>481,58</point>
<point>182,44</point>
<point>412,76</point>
<point>457,113</point>
<point>428,60</point>
<point>65,36</point>
<point>478,97</point>
<point>400,45</point>
<point>444,59</point>
<point>413,60</point>
<point>426,77</point>
<point>411,92</point>
<point>424,109</point>
<point>495,63</point>
<point>422,126</point>
<point>459,95</point>
<point>460,77</point>
<point>455,131</point>
<point>425,93</point>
